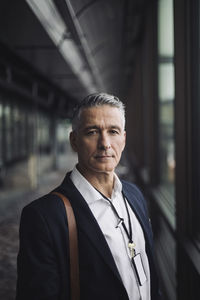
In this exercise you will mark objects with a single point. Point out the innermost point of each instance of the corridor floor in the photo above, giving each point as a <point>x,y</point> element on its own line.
<point>9,234</point>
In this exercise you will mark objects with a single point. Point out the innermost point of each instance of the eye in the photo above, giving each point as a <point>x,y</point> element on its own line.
<point>92,132</point>
<point>114,131</point>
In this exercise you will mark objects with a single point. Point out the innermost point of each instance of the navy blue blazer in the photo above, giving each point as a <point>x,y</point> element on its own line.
<point>43,258</point>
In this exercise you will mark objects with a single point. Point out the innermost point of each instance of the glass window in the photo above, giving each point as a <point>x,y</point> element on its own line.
<point>1,134</point>
<point>43,134</point>
<point>198,97</point>
<point>22,132</point>
<point>31,128</point>
<point>166,97</point>
<point>196,114</point>
<point>19,132</point>
<point>16,141</point>
<point>8,131</point>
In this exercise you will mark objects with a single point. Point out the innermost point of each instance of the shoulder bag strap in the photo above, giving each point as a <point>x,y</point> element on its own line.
<point>73,248</point>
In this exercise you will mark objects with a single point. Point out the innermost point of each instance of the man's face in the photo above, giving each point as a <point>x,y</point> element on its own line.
<point>99,140</point>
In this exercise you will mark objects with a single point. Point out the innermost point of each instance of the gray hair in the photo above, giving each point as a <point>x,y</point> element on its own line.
<point>95,100</point>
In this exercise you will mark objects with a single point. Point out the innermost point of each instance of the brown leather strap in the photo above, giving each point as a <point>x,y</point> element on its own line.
<point>73,248</point>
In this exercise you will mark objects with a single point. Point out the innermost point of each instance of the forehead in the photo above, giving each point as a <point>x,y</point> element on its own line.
<point>99,115</point>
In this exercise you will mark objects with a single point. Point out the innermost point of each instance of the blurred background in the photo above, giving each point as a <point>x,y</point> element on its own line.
<point>146,52</point>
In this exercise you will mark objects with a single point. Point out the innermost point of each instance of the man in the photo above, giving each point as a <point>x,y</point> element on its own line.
<point>114,235</point>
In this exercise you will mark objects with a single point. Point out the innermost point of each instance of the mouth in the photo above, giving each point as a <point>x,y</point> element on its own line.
<point>103,156</point>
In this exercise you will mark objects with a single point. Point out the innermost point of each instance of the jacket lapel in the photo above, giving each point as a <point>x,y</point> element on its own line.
<point>87,223</point>
<point>136,204</point>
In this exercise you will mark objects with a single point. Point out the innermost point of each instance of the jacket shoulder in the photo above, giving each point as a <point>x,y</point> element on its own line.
<point>49,207</point>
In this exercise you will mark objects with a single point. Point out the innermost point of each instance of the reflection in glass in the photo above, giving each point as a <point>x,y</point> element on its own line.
<point>166,93</point>
<point>166,120</point>
<point>165,28</point>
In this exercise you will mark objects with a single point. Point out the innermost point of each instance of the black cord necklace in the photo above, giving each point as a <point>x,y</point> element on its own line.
<point>129,233</point>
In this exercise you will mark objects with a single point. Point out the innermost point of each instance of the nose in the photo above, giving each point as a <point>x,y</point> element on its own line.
<point>104,141</point>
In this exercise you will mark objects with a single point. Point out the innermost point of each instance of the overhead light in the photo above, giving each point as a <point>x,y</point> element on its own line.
<point>85,46</point>
<point>71,53</point>
<point>56,28</point>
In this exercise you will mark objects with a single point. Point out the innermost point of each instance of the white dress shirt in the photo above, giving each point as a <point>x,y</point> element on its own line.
<point>116,238</point>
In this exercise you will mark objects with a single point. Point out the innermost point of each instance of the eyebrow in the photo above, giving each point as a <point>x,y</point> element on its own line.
<point>97,127</point>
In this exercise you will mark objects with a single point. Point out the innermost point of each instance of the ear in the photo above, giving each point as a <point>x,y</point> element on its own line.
<point>124,139</point>
<point>73,140</point>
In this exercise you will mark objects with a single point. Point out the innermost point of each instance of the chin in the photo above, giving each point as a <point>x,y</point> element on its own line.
<point>106,169</point>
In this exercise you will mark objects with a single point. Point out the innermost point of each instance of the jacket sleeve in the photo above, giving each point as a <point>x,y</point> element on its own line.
<point>38,275</point>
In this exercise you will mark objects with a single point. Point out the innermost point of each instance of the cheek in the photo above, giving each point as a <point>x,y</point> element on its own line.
<point>86,147</point>
<point>119,147</point>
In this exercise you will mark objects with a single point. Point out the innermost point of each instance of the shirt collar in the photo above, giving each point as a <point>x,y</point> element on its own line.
<point>117,186</point>
<point>89,193</point>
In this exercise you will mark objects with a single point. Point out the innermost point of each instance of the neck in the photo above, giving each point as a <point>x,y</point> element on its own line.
<point>101,181</point>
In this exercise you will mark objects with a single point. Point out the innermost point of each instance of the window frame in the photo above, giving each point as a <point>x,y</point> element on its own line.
<point>186,201</point>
